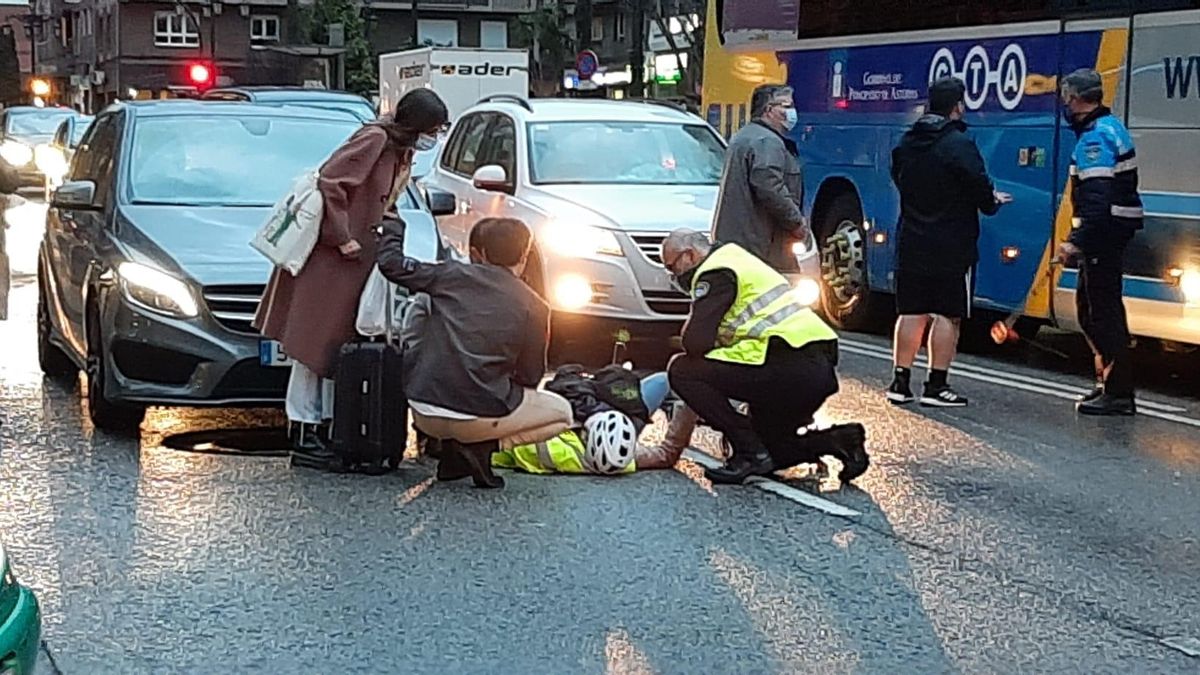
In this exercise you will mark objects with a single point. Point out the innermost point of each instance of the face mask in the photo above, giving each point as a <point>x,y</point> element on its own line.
<point>426,142</point>
<point>790,117</point>
<point>683,282</point>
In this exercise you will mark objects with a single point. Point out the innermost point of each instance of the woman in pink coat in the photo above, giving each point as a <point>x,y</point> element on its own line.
<point>313,314</point>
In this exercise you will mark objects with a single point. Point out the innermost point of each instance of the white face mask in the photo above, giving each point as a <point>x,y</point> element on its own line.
<point>426,142</point>
<point>790,117</point>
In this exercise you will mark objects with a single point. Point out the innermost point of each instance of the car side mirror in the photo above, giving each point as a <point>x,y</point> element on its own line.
<point>492,177</point>
<point>76,194</point>
<point>442,203</point>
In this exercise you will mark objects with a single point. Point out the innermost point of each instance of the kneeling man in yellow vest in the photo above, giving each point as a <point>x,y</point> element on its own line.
<point>748,339</point>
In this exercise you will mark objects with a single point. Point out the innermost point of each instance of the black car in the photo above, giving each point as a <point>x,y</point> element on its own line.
<point>147,281</point>
<point>23,129</point>
<point>312,98</point>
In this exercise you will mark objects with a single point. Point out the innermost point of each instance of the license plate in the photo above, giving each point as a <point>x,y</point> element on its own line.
<point>271,354</point>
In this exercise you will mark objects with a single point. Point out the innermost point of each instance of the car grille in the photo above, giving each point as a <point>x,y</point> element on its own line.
<point>650,244</point>
<point>234,306</point>
<point>668,302</point>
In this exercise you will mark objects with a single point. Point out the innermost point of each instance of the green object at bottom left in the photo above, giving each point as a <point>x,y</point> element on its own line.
<point>20,623</point>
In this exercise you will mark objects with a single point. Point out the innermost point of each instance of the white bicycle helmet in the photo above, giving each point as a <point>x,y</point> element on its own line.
<point>611,442</point>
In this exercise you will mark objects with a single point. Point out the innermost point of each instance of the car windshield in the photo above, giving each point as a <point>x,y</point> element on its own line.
<point>81,127</point>
<point>652,153</point>
<point>227,160</point>
<point>33,125</point>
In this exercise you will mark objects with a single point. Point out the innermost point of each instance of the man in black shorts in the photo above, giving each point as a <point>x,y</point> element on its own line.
<point>943,187</point>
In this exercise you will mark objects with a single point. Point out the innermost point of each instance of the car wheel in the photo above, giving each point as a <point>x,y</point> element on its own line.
<point>105,414</point>
<point>846,296</point>
<point>53,361</point>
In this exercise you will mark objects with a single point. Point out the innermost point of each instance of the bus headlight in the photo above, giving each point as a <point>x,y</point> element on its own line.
<point>16,153</point>
<point>807,291</point>
<point>1189,285</point>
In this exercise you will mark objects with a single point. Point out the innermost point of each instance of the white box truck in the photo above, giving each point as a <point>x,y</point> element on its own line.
<point>461,76</point>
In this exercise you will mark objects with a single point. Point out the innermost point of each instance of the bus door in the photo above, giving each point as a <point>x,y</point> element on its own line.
<point>1014,123</point>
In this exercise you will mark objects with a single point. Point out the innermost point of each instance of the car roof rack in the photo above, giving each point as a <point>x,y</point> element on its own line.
<point>511,98</point>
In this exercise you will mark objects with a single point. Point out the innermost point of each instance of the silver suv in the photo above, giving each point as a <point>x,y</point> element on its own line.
<point>600,183</point>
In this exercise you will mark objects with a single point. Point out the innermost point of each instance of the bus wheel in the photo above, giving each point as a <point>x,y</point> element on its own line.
<point>846,292</point>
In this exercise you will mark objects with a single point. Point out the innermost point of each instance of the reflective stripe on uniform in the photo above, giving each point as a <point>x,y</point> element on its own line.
<point>1127,165</point>
<point>544,456</point>
<point>775,318</point>
<point>1127,211</point>
<point>1097,172</point>
<point>758,305</point>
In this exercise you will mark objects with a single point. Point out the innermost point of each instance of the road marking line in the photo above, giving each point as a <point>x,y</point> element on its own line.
<point>1187,645</point>
<point>1049,384</point>
<point>971,375</point>
<point>779,489</point>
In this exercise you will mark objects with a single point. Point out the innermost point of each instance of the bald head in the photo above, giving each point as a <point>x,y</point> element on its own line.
<point>684,249</point>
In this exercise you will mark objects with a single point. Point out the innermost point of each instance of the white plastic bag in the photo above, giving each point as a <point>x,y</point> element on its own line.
<point>373,305</point>
<point>290,234</point>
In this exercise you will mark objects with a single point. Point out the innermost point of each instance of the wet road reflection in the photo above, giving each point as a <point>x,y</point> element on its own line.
<point>1006,537</point>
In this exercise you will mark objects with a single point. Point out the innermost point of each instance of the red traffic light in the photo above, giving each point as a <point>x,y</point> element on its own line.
<point>200,74</point>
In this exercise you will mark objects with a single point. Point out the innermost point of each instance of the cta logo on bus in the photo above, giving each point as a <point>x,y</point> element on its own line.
<point>1005,77</point>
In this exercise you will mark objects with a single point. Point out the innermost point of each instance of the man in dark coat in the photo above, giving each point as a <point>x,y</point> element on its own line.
<point>944,186</point>
<point>762,188</point>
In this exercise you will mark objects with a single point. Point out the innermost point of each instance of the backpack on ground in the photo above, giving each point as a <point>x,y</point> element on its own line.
<point>290,234</point>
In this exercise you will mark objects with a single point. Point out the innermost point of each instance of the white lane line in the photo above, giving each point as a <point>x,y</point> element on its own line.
<point>1046,391</point>
<point>776,488</point>
<point>1187,645</point>
<point>1037,381</point>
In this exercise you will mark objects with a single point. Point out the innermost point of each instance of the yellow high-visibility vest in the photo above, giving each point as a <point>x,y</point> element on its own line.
<point>765,307</point>
<point>561,454</point>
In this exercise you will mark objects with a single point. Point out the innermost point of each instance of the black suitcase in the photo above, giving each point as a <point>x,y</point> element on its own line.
<point>370,413</point>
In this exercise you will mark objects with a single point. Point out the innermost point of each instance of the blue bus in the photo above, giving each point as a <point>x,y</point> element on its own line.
<point>861,72</point>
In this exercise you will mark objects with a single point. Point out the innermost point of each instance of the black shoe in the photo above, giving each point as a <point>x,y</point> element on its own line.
<point>1094,394</point>
<point>942,397</point>
<point>1107,405</point>
<point>740,467</point>
<point>478,459</point>
<point>848,443</point>
<point>900,392</point>
<point>451,465</point>
<point>310,449</point>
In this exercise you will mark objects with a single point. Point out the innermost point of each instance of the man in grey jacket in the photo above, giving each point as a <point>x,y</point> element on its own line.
<point>762,191</point>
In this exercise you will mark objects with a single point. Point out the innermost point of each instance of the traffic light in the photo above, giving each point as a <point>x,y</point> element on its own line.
<point>200,75</point>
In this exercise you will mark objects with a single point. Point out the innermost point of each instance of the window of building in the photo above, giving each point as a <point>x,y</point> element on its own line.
<point>437,32</point>
<point>620,25</point>
<point>597,28</point>
<point>493,34</point>
<point>264,28</point>
<point>175,30</point>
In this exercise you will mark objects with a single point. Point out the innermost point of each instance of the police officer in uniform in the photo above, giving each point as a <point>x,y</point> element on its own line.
<point>748,339</point>
<point>1108,211</point>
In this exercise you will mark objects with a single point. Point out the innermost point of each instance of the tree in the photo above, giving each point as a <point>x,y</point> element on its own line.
<point>661,13</point>
<point>550,45</point>
<point>360,62</point>
<point>10,68</point>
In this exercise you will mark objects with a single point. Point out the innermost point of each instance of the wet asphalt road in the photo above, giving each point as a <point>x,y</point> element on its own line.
<point>1007,537</point>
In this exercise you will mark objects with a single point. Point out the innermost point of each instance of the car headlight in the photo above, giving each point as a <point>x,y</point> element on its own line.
<point>807,291</point>
<point>572,291</point>
<point>16,153</point>
<point>157,291</point>
<point>51,161</point>
<point>579,241</point>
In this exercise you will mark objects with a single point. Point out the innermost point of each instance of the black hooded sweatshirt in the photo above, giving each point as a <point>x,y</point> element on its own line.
<point>943,187</point>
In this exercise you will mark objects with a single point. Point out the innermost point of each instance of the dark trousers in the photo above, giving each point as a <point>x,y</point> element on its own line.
<point>1101,312</point>
<point>783,395</point>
